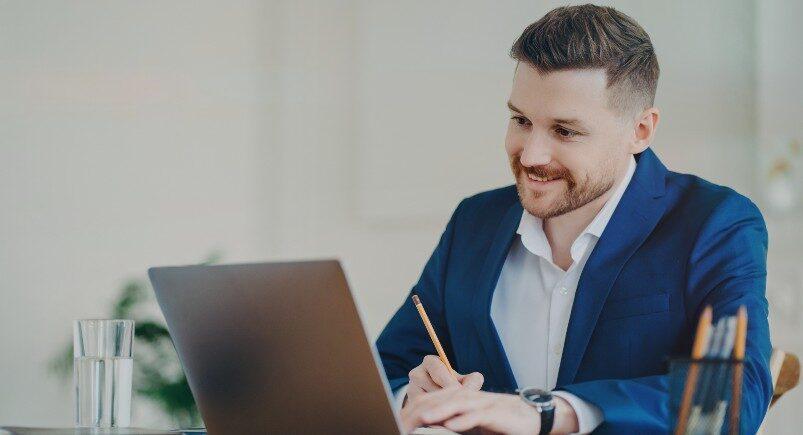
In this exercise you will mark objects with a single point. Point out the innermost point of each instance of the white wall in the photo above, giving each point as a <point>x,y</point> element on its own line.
<point>132,134</point>
<point>780,120</point>
<point>137,133</point>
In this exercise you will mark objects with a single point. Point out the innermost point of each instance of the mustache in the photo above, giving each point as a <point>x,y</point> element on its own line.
<point>543,171</point>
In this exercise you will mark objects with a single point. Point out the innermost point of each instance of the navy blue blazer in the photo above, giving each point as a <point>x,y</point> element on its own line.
<point>674,244</point>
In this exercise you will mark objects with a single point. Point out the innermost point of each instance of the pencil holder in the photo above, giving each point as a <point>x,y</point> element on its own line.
<point>704,397</point>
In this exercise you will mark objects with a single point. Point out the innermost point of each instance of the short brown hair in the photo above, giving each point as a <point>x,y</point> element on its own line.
<point>590,36</point>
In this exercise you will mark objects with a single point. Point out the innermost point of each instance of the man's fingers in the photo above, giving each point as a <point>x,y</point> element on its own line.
<point>459,403</point>
<point>409,419</point>
<point>411,414</point>
<point>461,409</point>
<point>464,422</point>
<point>413,391</point>
<point>419,377</point>
<point>428,400</point>
<point>473,380</point>
<point>438,372</point>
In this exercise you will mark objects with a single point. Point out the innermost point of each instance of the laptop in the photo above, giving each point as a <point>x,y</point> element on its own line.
<point>275,348</point>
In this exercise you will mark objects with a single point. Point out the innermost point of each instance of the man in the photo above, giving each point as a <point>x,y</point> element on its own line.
<point>584,277</point>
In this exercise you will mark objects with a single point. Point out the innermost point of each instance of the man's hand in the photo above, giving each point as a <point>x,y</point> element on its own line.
<point>433,375</point>
<point>460,409</point>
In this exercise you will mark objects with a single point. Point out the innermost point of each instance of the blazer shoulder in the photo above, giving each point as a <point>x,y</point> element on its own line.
<point>488,204</point>
<point>701,199</point>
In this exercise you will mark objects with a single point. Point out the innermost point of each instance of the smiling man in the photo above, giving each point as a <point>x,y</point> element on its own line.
<point>578,282</point>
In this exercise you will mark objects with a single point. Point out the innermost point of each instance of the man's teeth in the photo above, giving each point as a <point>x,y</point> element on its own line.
<point>533,177</point>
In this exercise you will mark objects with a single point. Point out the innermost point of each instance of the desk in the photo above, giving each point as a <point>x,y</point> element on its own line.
<point>14,430</point>
<point>11,430</point>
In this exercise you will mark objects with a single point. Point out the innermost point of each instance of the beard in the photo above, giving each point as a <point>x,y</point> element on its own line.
<point>576,193</point>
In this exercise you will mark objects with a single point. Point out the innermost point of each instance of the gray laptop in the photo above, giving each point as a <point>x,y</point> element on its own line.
<point>274,348</point>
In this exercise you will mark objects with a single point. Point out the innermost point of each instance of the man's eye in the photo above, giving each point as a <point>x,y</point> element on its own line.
<point>565,133</point>
<point>520,120</point>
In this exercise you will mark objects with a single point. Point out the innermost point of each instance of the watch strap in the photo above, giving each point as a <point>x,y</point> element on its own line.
<point>547,420</point>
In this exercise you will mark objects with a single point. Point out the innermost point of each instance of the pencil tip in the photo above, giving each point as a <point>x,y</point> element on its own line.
<point>416,300</point>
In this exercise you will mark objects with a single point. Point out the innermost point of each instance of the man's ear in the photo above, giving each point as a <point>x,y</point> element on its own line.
<point>644,130</point>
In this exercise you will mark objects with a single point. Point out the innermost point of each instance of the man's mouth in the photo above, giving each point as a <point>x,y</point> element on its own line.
<point>541,179</point>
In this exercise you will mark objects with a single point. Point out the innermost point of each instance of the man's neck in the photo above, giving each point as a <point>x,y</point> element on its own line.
<point>561,231</point>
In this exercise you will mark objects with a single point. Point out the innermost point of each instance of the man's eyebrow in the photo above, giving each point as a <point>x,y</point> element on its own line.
<point>512,107</point>
<point>571,122</point>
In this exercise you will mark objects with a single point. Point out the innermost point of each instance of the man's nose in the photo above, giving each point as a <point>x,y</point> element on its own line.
<point>536,151</point>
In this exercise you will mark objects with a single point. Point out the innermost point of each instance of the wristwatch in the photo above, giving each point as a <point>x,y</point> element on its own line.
<point>543,402</point>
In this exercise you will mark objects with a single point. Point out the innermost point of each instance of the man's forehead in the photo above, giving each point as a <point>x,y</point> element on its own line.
<point>573,93</point>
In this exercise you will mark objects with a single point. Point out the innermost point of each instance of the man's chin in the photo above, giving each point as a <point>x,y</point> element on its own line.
<point>539,211</point>
<point>539,204</point>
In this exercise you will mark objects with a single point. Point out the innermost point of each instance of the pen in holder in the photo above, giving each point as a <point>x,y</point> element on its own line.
<point>705,388</point>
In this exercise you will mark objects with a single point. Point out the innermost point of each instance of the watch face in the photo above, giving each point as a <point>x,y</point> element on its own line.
<point>539,398</point>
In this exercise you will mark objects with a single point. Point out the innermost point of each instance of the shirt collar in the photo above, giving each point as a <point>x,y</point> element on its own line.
<point>597,226</point>
<point>531,228</point>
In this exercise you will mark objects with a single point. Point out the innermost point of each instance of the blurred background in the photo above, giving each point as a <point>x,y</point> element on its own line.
<point>137,133</point>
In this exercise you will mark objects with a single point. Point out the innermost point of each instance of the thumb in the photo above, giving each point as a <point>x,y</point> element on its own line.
<point>473,380</point>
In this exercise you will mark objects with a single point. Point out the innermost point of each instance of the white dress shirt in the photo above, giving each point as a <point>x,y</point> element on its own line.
<point>532,303</point>
<point>533,299</point>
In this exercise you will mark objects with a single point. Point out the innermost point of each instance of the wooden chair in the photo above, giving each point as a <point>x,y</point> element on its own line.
<point>785,370</point>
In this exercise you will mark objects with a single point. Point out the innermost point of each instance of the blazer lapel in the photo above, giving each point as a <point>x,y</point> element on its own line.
<point>498,364</point>
<point>635,216</point>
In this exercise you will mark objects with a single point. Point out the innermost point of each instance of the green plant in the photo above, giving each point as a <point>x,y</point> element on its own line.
<point>158,376</point>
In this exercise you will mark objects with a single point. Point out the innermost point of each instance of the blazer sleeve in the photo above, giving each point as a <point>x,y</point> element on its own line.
<point>727,269</point>
<point>404,342</point>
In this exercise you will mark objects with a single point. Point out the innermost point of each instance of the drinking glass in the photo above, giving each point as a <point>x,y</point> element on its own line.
<point>102,375</point>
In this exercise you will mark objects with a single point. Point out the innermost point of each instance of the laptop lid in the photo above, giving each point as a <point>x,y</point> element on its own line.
<point>274,348</point>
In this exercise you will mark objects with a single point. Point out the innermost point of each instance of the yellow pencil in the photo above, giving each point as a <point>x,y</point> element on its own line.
<point>432,335</point>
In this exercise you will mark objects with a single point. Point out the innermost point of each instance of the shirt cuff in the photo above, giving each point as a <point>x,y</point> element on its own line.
<point>399,396</point>
<point>588,415</point>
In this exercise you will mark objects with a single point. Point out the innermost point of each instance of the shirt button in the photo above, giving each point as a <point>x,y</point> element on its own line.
<point>564,290</point>
<point>556,350</point>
